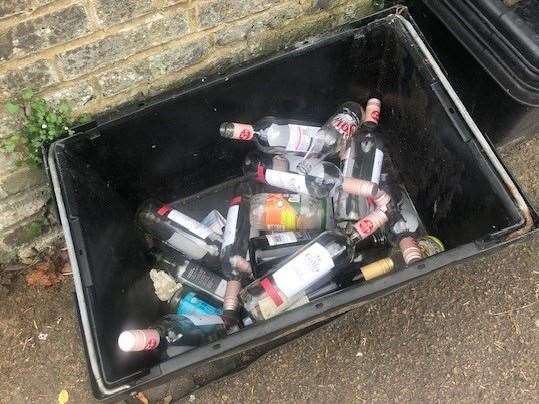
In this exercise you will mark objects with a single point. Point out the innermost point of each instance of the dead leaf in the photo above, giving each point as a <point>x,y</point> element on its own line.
<point>43,274</point>
<point>141,397</point>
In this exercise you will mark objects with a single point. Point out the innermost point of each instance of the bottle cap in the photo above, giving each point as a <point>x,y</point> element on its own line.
<point>370,223</point>
<point>377,268</point>
<point>280,163</point>
<point>354,108</point>
<point>356,186</point>
<point>430,245</point>
<point>410,250</point>
<point>372,112</point>
<point>231,301</point>
<point>138,340</point>
<point>238,131</point>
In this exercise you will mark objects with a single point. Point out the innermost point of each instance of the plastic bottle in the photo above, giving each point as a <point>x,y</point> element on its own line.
<point>191,330</point>
<point>287,212</point>
<point>321,259</point>
<point>274,135</point>
<point>332,138</point>
<point>180,232</point>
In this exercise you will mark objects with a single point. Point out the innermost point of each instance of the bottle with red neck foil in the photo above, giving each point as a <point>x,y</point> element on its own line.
<point>274,135</point>
<point>172,329</point>
<point>320,259</point>
<point>332,138</point>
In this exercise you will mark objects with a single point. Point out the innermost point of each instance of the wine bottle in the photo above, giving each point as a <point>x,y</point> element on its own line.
<point>266,251</point>
<point>274,135</point>
<point>288,212</point>
<point>180,232</point>
<point>233,252</point>
<point>190,330</point>
<point>333,136</point>
<point>324,256</point>
<point>362,160</point>
<point>191,274</point>
<point>322,181</point>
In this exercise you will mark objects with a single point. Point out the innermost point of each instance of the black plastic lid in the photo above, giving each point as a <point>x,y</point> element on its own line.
<point>503,36</point>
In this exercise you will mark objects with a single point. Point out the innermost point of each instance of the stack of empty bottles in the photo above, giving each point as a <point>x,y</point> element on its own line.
<point>320,208</point>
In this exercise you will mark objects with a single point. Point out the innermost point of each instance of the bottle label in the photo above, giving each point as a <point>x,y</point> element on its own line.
<point>281,212</point>
<point>231,223</point>
<point>191,304</point>
<point>205,320</point>
<point>214,221</point>
<point>345,124</point>
<point>188,245</point>
<point>206,280</point>
<point>377,166</point>
<point>289,181</point>
<point>303,270</point>
<point>300,137</point>
<point>243,131</point>
<point>190,224</point>
<point>281,238</point>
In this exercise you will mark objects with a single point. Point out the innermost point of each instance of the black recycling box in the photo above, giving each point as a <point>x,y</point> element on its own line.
<point>170,148</point>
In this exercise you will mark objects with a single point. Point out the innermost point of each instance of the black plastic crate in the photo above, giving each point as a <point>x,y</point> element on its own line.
<point>170,148</point>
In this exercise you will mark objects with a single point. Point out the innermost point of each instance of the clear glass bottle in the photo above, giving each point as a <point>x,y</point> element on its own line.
<point>332,138</point>
<point>190,330</point>
<point>274,135</point>
<point>287,212</point>
<point>180,232</point>
<point>322,181</point>
<point>321,259</point>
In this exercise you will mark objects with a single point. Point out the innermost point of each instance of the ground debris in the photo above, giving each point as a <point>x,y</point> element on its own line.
<point>43,274</point>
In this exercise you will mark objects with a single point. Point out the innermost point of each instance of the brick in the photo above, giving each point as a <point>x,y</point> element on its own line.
<point>78,94</point>
<point>175,59</point>
<point>115,81</point>
<point>13,7</point>
<point>43,32</point>
<point>39,74</point>
<point>108,50</point>
<point>214,12</point>
<point>112,11</point>
<point>22,206</point>
<point>21,180</point>
<point>271,19</point>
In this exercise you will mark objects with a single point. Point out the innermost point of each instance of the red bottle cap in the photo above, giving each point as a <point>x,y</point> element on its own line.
<point>260,173</point>
<point>271,291</point>
<point>372,113</point>
<point>164,210</point>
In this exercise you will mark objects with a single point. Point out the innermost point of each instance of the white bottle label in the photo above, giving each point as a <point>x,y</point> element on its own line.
<point>220,291</point>
<point>190,224</point>
<point>231,222</point>
<point>289,181</point>
<point>186,244</point>
<point>377,166</point>
<point>281,238</point>
<point>300,137</point>
<point>303,270</point>
<point>204,320</point>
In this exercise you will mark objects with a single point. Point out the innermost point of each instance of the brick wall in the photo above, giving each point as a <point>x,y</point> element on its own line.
<point>99,54</point>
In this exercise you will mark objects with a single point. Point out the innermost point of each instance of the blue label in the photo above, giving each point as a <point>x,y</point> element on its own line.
<point>191,304</point>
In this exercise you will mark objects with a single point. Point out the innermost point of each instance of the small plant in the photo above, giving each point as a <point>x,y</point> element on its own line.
<point>40,123</point>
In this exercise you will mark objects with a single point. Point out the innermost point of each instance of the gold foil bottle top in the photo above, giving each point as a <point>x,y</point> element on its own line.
<point>378,268</point>
<point>430,245</point>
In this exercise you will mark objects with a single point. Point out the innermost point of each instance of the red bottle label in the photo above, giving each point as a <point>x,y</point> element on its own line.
<point>345,124</point>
